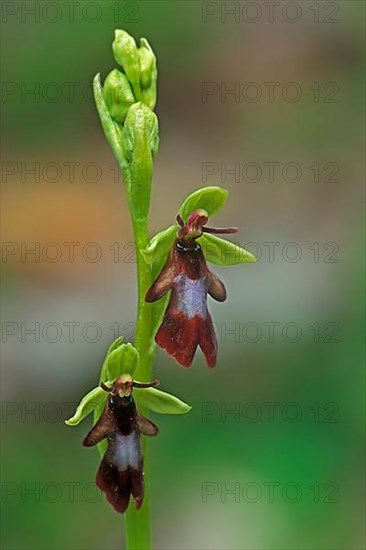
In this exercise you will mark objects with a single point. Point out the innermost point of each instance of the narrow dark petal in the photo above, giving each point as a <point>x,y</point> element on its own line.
<point>146,385</point>
<point>105,425</point>
<point>162,284</point>
<point>180,221</point>
<point>145,425</point>
<point>216,287</point>
<point>220,230</point>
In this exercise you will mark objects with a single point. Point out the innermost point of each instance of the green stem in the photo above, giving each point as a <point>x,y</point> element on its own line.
<point>132,146</point>
<point>138,522</point>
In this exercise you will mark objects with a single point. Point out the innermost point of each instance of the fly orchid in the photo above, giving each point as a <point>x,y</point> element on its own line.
<point>187,322</point>
<point>121,473</point>
<point>118,423</point>
<point>176,259</point>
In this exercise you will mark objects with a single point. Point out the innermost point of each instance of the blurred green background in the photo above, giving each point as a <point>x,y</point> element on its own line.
<point>310,449</point>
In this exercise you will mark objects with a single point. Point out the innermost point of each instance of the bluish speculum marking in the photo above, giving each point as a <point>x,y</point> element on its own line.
<point>126,451</point>
<point>191,296</point>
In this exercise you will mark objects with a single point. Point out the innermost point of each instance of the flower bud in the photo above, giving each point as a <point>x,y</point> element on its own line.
<point>149,96</point>
<point>126,54</point>
<point>140,142</point>
<point>147,63</point>
<point>149,74</point>
<point>118,95</point>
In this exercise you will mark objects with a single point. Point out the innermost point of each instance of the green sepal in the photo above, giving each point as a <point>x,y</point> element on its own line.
<point>221,252</point>
<point>160,244</point>
<point>115,344</point>
<point>211,199</point>
<point>118,95</point>
<point>159,401</point>
<point>121,360</point>
<point>93,400</point>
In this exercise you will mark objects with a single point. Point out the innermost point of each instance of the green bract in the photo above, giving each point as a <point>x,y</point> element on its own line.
<point>111,128</point>
<point>140,143</point>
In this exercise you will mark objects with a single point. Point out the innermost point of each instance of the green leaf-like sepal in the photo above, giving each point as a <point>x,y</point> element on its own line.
<point>103,373</point>
<point>160,244</point>
<point>120,359</point>
<point>211,199</point>
<point>160,401</point>
<point>221,252</point>
<point>95,399</point>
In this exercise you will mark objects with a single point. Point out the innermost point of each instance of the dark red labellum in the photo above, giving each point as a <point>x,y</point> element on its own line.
<point>121,472</point>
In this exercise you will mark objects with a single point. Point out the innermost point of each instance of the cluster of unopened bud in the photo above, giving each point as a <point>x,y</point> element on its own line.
<point>137,82</point>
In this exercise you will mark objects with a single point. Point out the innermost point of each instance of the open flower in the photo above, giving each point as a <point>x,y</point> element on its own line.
<point>121,473</point>
<point>178,257</point>
<point>187,323</point>
<point>118,421</point>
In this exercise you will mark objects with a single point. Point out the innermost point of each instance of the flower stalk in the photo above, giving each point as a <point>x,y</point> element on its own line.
<point>173,282</point>
<point>134,143</point>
